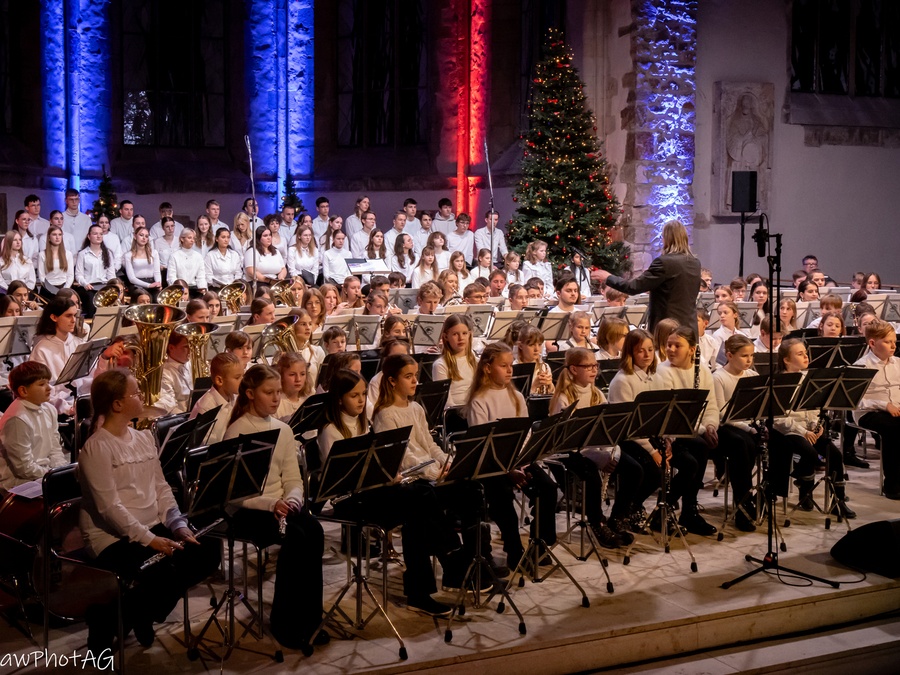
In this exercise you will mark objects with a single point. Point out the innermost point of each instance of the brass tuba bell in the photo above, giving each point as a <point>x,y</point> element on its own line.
<point>108,296</point>
<point>154,325</point>
<point>170,295</point>
<point>281,334</point>
<point>282,292</point>
<point>232,296</point>
<point>198,336</point>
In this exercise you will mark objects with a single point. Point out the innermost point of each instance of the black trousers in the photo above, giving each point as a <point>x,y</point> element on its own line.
<point>297,602</point>
<point>888,427</point>
<point>629,476</point>
<point>740,450</point>
<point>689,457</point>
<point>784,447</point>
<point>642,483</point>
<point>425,531</point>
<point>87,299</point>
<point>154,592</point>
<point>500,494</point>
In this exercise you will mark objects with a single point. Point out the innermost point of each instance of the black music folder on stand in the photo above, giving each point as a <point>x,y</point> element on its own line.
<point>81,361</point>
<point>657,415</point>
<point>432,396</point>
<point>554,325</point>
<point>834,352</point>
<point>310,416</point>
<point>522,375</point>
<point>189,434</point>
<point>425,329</point>
<point>353,466</point>
<point>484,451</point>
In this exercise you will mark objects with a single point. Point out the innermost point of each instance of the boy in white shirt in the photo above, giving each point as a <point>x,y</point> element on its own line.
<point>177,379</point>
<point>226,372</point>
<point>483,236</point>
<point>29,431</point>
<point>411,208</point>
<point>461,239</point>
<point>360,240</point>
<point>398,228</point>
<point>320,222</point>
<point>165,211</point>
<point>444,219</point>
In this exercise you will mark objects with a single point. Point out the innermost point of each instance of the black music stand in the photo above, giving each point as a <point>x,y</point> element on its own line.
<point>761,363</point>
<point>523,374</point>
<point>554,326</point>
<point>228,473</point>
<point>404,298</point>
<point>484,451</point>
<point>480,316</point>
<point>432,396</point>
<point>750,403</point>
<point>834,352</point>
<point>426,362</point>
<point>309,416</point>
<point>826,389</point>
<point>541,444</point>
<point>606,371</point>
<point>425,330</point>
<point>604,426</point>
<point>660,414</point>
<point>81,361</point>
<point>181,439</point>
<point>353,466</point>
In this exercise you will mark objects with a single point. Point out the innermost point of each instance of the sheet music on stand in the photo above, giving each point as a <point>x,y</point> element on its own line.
<point>674,413</point>
<point>503,320</point>
<point>602,311</point>
<point>342,321</point>
<point>367,326</point>
<point>707,301</point>
<point>17,334</point>
<point>891,310</point>
<point>309,416</point>
<point>424,329</point>
<point>361,463</point>
<point>180,439</point>
<point>833,388</point>
<point>522,375</point>
<point>542,441</point>
<point>878,301</point>
<point>256,343</point>
<point>81,361</point>
<point>486,450</point>
<point>834,352</point>
<point>106,322</point>
<point>746,314</point>
<point>636,315</point>
<point>217,338</point>
<point>606,372</point>
<point>750,399</point>
<point>404,298</point>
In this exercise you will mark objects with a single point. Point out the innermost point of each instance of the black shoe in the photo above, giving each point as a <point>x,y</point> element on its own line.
<point>605,536</point>
<point>893,495</point>
<point>744,523</point>
<point>322,638</point>
<point>654,523</point>
<point>854,460</point>
<point>841,509</point>
<point>805,499</point>
<point>692,520</point>
<point>637,521</point>
<point>430,606</point>
<point>620,526</point>
<point>143,631</point>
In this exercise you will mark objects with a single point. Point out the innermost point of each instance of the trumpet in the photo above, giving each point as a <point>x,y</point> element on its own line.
<point>198,336</point>
<point>282,291</point>
<point>232,296</point>
<point>170,295</point>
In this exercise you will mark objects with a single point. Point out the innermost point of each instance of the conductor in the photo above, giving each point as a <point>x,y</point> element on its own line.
<point>673,280</point>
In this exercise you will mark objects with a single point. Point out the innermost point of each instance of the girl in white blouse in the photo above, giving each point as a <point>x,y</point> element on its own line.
<point>279,241</point>
<point>56,265</point>
<point>267,265</point>
<point>303,257</point>
<point>241,238</point>
<point>111,239</point>
<point>297,603</point>
<point>13,263</point>
<point>94,267</point>
<point>142,262</point>
<point>334,260</point>
<point>314,355</point>
<point>205,239</point>
<point>426,270</point>
<point>223,264</point>
<point>438,241</point>
<point>536,265</point>
<point>457,361</point>
<point>54,343</point>
<point>129,514</point>
<point>376,249</point>
<point>353,224</point>
<point>403,259</point>
<point>165,246</point>
<point>187,264</point>
<point>23,225</point>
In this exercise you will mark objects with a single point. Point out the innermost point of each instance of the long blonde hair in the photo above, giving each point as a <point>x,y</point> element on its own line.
<point>482,379</point>
<point>60,252</point>
<point>449,358</point>
<point>675,238</point>
<point>565,384</point>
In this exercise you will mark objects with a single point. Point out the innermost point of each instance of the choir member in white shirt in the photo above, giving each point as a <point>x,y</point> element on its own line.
<point>411,208</point>
<point>29,431</point>
<point>241,235</point>
<point>111,240</point>
<point>398,225</point>
<point>334,223</point>
<point>287,224</point>
<point>354,223</point>
<point>13,263</point>
<point>483,236</point>
<point>165,211</point>
<point>266,265</point>
<point>303,256</point>
<point>461,239</point>
<point>251,208</point>
<point>279,241</point>
<point>129,514</point>
<point>142,263</point>
<point>320,222</point>
<point>223,264</point>
<point>56,265</point>
<point>444,219</point>
<point>54,343</point>
<point>75,223</point>
<point>512,262</point>
<point>426,270</point>
<point>359,240</point>
<point>187,264</point>
<point>56,218</point>
<point>334,260</point>
<point>212,212</point>
<point>38,225</point>
<point>204,236</point>
<point>423,234</point>
<point>403,259</point>
<point>165,246</point>
<point>375,250</point>
<point>94,267</point>
<point>582,275</point>
<point>123,225</point>
<point>536,265</point>
<point>438,241</point>
<point>226,372</point>
<point>137,222</point>
<point>23,225</point>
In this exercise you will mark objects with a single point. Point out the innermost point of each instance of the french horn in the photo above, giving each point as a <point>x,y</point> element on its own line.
<point>282,292</point>
<point>281,334</point>
<point>170,295</point>
<point>108,296</point>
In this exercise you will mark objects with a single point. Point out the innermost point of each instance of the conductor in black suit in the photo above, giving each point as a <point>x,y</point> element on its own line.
<point>673,280</point>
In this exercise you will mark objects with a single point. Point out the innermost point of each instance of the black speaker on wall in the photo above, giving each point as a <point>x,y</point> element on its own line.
<point>874,547</point>
<point>743,191</point>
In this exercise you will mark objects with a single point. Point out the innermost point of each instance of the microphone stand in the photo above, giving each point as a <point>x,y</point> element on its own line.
<point>253,218</point>
<point>487,161</point>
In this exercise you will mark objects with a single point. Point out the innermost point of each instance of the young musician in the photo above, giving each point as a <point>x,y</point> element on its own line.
<point>237,342</point>
<point>334,340</point>
<point>128,514</point>
<point>56,264</point>
<point>426,270</point>
<point>29,429</point>
<point>296,386</point>
<point>297,601</point>
<point>611,337</point>
<point>579,332</point>
<point>528,350</point>
<point>187,263</point>
<point>177,379</point>
<point>536,264</point>
<point>457,362</point>
<point>303,260</point>
<point>226,373</point>
<point>314,355</point>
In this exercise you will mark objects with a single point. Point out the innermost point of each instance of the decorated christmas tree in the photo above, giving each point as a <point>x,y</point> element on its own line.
<point>563,197</point>
<point>291,198</point>
<point>106,202</point>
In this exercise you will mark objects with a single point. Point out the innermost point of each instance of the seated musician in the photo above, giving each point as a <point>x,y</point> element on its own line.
<point>129,514</point>
<point>225,371</point>
<point>29,429</point>
<point>177,378</point>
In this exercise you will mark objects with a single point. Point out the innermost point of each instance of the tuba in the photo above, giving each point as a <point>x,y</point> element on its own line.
<point>282,292</point>
<point>107,297</point>
<point>281,334</point>
<point>154,325</point>
<point>170,295</point>
<point>232,296</point>
<point>198,336</point>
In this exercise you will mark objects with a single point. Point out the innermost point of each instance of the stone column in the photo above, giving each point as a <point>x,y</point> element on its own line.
<point>659,120</point>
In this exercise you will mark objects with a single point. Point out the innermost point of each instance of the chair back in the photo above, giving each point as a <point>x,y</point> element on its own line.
<point>163,425</point>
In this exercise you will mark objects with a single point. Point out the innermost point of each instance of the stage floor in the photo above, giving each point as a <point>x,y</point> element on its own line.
<point>659,608</point>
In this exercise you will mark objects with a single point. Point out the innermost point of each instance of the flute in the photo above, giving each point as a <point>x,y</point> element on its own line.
<point>152,560</point>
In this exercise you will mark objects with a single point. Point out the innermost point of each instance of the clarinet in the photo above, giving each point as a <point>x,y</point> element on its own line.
<point>697,366</point>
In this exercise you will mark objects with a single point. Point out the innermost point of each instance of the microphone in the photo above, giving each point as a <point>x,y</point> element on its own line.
<point>584,258</point>
<point>761,238</point>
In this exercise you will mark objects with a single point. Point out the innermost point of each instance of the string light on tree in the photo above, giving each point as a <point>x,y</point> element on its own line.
<point>563,196</point>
